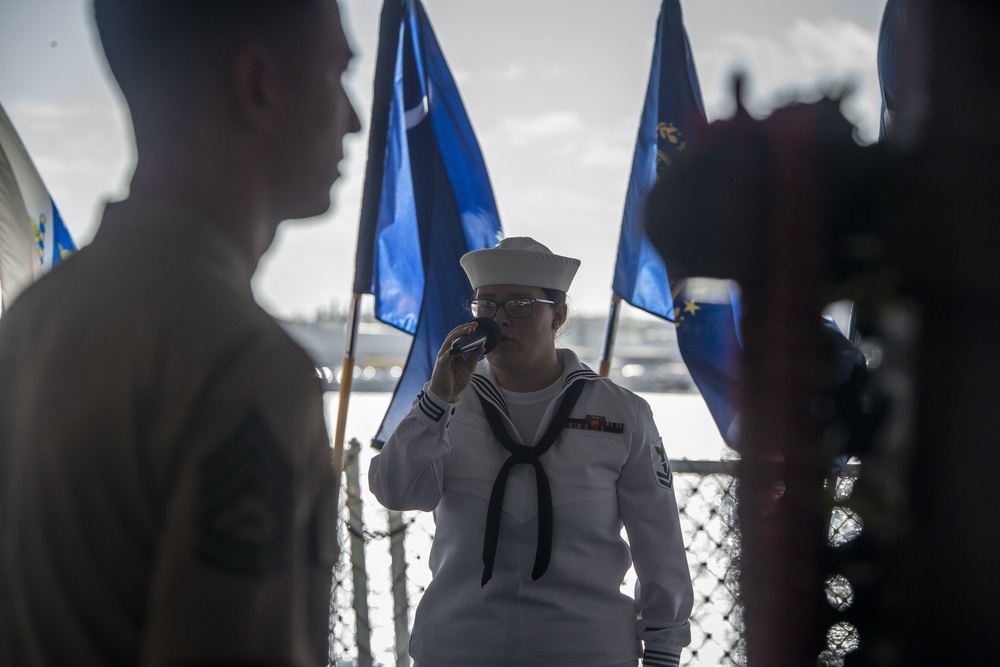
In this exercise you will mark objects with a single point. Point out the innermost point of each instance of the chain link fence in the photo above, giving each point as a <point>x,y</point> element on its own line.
<point>371,629</point>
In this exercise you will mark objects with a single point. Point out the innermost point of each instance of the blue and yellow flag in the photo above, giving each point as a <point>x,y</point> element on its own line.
<point>707,315</point>
<point>673,106</point>
<point>33,238</point>
<point>706,312</point>
<point>427,198</point>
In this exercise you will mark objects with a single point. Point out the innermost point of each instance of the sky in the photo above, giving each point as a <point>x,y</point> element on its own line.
<point>554,90</point>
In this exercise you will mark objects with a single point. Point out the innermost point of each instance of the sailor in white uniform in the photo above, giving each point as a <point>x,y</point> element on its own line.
<point>532,465</point>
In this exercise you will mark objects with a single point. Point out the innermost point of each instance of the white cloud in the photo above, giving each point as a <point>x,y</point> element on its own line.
<point>82,153</point>
<point>834,45</point>
<point>560,144</point>
<point>550,127</point>
<point>809,58</point>
<point>493,75</point>
<point>610,149</point>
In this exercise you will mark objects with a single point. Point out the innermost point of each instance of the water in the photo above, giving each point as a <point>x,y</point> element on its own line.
<point>683,420</point>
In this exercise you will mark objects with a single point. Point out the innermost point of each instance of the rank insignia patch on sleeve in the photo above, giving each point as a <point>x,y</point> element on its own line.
<point>661,465</point>
<point>245,502</point>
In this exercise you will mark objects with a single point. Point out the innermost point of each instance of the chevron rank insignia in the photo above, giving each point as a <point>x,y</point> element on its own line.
<point>661,465</point>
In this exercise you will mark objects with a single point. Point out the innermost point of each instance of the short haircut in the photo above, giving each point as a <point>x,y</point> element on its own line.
<point>153,42</point>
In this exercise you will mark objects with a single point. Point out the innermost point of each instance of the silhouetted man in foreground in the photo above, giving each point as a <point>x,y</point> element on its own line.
<point>166,488</point>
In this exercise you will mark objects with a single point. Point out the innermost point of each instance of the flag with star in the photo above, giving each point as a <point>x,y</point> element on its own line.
<point>427,198</point>
<point>33,238</point>
<point>706,314</point>
<point>672,108</point>
<point>704,311</point>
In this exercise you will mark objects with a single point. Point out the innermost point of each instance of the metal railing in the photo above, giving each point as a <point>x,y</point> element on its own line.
<point>376,589</point>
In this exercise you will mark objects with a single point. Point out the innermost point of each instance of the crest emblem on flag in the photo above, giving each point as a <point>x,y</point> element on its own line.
<point>669,141</point>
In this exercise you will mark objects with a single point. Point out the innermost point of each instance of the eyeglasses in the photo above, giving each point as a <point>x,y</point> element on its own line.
<point>515,308</point>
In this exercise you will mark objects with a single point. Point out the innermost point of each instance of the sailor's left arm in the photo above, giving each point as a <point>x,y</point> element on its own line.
<point>664,593</point>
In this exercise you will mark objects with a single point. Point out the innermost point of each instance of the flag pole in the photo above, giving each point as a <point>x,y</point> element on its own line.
<point>346,379</point>
<point>609,335</point>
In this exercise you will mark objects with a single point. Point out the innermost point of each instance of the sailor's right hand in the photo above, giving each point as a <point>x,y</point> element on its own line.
<point>453,372</point>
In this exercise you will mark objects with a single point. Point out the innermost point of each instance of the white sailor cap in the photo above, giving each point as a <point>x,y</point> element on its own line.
<point>519,260</point>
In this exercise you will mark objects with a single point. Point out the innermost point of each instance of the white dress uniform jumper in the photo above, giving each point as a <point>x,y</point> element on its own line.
<point>528,560</point>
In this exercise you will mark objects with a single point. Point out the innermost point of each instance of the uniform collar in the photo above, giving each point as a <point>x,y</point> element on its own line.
<point>485,384</point>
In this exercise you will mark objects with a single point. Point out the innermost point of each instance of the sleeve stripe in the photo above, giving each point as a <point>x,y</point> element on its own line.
<point>661,657</point>
<point>429,407</point>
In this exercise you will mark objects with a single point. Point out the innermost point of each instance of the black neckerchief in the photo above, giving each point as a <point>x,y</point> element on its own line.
<point>524,454</point>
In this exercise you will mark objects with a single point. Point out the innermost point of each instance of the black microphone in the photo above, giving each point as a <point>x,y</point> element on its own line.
<point>487,335</point>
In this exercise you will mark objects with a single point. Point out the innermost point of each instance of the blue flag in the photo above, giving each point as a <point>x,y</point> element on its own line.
<point>427,198</point>
<point>707,315</point>
<point>672,109</point>
<point>706,312</point>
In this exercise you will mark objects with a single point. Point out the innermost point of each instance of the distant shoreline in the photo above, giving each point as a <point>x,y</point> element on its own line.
<point>646,358</point>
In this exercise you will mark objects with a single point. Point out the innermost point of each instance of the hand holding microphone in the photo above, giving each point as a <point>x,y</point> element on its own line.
<point>455,364</point>
<point>487,334</point>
